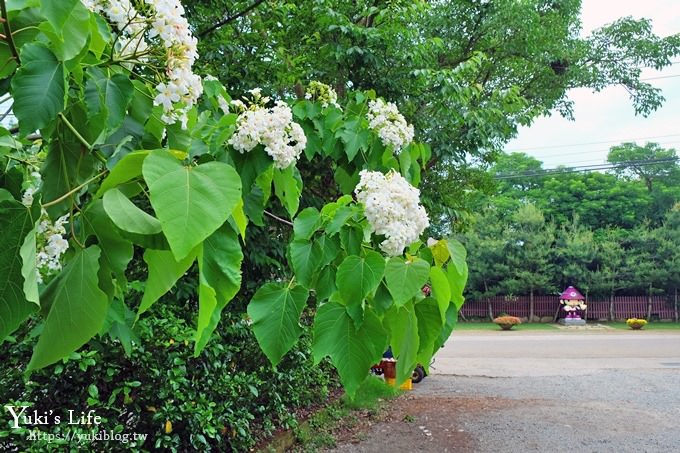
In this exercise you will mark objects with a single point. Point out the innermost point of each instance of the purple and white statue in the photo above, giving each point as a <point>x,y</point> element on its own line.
<point>573,304</point>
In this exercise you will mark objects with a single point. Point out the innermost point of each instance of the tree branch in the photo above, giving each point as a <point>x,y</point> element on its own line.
<point>8,31</point>
<point>228,19</point>
<point>275,217</point>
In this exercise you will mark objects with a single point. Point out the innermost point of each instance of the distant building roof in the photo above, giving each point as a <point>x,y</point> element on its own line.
<point>571,293</point>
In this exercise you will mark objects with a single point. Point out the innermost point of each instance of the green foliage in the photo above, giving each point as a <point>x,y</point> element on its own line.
<point>128,217</point>
<point>402,323</point>
<point>107,99</point>
<point>164,272</point>
<point>68,27</point>
<point>182,196</point>
<point>634,161</point>
<point>357,277</point>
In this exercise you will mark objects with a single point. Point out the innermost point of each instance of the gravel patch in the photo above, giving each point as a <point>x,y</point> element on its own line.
<point>607,411</point>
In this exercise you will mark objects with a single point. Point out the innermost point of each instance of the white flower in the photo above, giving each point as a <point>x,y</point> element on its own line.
<point>167,95</point>
<point>392,128</point>
<point>274,128</point>
<point>238,105</point>
<point>27,197</point>
<point>50,245</point>
<point>392,207</point>
<point>160,30</point>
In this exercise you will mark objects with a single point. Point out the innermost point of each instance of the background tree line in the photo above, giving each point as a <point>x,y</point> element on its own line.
<point>607,233</point>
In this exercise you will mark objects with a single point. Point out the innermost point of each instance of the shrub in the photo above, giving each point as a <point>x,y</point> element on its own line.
<point>224,400</point>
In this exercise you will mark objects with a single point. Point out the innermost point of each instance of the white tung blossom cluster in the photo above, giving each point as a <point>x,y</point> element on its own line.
<point>392,207</point>
<point>320,92</point>
<point>51,245</point>
<point>283,139</point>
<point>162,30</point>
<point>50,242</point>
<point>390,125</point>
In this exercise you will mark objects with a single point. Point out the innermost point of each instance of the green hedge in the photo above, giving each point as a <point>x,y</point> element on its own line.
<point>225,400</point>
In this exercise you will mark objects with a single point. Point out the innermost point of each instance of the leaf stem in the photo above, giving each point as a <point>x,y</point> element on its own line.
<point>8,31</point>
<point>19,159</point>
<point>74,190</point>
<point>71,223</point>
<point>81,139</point>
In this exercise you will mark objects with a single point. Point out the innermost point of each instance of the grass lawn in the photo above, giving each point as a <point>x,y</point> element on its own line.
<point>344,415</point>
<point>649,326</point>
<point>462,326</point>
<point>491,326</point>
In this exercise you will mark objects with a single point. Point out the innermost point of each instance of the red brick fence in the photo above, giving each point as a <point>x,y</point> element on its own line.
<point>545,307</point>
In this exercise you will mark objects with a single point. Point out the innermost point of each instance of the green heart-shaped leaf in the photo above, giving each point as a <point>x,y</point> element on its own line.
<point>38,88</point>
<point>405,278</point>
<point>275,310</point>
<point>191,202</point>
<point>77,309</point>
<point>358,277</point>
<point>351,350</point>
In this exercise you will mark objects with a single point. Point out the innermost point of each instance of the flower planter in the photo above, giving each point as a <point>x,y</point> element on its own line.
<point>636,323</point>
<point>507,322</point>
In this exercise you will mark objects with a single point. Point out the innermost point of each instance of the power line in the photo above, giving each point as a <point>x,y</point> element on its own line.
<point>585,168</point>
<point>540,156</point>
<point>592,143</point>
<point>660,77</point>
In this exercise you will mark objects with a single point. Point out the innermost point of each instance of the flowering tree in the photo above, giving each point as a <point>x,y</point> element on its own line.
<point>120,147</point>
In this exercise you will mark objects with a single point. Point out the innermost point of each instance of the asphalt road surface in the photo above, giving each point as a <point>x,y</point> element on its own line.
<point>562,391</point>
<point>559,353</point>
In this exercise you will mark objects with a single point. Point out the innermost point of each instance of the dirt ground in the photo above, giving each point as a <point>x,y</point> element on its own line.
<point>418,423</point>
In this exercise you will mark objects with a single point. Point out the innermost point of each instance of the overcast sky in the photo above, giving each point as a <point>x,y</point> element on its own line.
<point>608,117</point>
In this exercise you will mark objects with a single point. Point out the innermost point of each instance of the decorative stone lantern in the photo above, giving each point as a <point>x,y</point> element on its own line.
<point>573,303</point>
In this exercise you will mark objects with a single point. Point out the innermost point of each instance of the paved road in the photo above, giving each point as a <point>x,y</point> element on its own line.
<point>562,391</point>
<point>544,353</point>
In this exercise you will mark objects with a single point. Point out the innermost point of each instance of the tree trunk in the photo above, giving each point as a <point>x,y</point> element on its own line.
<point>488,300</point>
<point>585,312</point>
<point>557,312</point>
<point>675,304</point>
<point>531,305</point>
<point>649,304</point>
<point>611,305</point>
